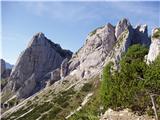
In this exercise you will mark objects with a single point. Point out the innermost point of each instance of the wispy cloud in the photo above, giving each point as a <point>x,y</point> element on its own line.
<point>65,11</point>
<point>77,11</point>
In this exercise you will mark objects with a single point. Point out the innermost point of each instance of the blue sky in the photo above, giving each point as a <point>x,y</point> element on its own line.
<point>66,23</point>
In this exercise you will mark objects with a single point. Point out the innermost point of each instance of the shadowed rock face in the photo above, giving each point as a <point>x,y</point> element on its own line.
<point>3,66</point>
<point>40,57</point>
<point>141,35</point>
<point>5,71</point>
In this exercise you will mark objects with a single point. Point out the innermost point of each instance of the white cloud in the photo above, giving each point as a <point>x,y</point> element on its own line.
<point>65,11</point>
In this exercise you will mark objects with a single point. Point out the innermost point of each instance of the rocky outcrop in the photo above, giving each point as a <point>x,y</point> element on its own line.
<point>123,42</point>
<point>125,114</point>
<point>64,68</point>
<point>121,26</point>
<point>52,76</point>
<point>154,49</point>
<point>3,66</point>
<point>39,58</point>
<point>141,35</point>
<point>90,58</point>
<point>5,69</point>
<point>105,44</point>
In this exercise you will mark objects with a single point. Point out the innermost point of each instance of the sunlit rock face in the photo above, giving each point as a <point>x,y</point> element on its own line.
<point>105,44</point>
<point>90,58</point>
<point>40,57</point>
<point>154,49</point>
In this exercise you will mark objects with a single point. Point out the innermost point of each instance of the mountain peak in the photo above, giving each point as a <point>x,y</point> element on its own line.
<point>121,26</point>
<point>38,39</point>
<point>39,35</point>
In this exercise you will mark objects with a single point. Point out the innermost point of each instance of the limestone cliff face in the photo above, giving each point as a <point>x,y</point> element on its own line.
<point>39,58</point>
<point>154,49</point>
<point>106,44</point>
<point>121,26</point>
<point>90,58</point>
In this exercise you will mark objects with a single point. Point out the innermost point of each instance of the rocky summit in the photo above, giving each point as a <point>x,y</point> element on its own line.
<point>41,57</point>
<point>104,44</point>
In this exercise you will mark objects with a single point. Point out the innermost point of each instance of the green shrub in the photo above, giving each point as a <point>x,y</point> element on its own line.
<point>87,87</point>
<point>131,86</point>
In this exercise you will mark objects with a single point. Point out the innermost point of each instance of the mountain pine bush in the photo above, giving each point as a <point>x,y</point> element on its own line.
<point>130,87</point>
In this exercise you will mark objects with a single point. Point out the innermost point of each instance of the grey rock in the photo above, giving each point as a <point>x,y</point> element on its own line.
<point>124,41</point>
<point>27,88</point>
<point>5,70</point>
<point>39,58</point>
<point>64,68</point>
<point>90,58</point>
<point>106,44</point>
<point>141,35</point>
<point>154,49</point>
<point>3,66</point>
<point>121,26</point>
<point>55,75</point>
<point>51,77</point>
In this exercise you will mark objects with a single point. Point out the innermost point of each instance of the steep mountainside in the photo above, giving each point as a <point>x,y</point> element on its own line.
<point>70,81</point>
<point>41,57</point>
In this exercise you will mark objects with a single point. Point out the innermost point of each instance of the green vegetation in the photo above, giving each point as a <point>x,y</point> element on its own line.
<point>127,88</point>
<point>3,83</point>
<point>87,87</point>
<point>59,106</point>
<point>91,110</point>
<point>5,96</point>
<point>157,34</point>
<point>130,87</point>
<point>13,102</point>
